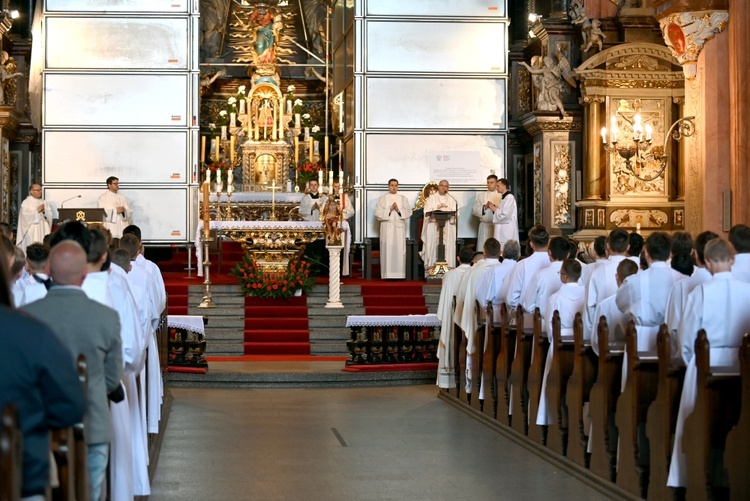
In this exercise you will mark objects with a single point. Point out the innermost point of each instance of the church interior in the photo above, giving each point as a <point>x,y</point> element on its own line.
<point>256,143</point>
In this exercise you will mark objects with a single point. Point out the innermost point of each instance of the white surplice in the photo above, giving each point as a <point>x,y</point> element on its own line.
<point>392,234</point>
<point>32,224</point>
<point>741,267</point>
<point>518,282</point>
<point>485,216</point>
<point>505,219</point>
<point>601,285</point>
<point>306,211</point>
<point>431,231</point>
<point>587,271</point>
<point>446,377</point>
<point>543,284</point>
<point>677,299</point>
<point>157,280</point>
<point>720,306</point>
<point>497,277</point>
<point>113,221</point>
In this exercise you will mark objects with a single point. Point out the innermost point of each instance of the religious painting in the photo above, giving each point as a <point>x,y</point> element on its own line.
<point>600,218</point>
<point>679,218</point>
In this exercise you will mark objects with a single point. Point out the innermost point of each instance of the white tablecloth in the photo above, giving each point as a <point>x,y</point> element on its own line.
<point>429,320</point>
<point>192,323</point>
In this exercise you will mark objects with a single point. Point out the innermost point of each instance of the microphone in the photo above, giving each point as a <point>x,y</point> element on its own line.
<point>68,200</point>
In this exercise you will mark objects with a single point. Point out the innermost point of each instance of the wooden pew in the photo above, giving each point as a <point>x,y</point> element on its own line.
<point>519,375</point>
<point>504,364</point>
<point>11,455</point>
<point>738,440</point>
<point>577,393</point>
<point>557,382</point>
<point>536,374</point>
<point>603,404</point>
<point>460,351</point>
<point>477,358</point>
<point>492,336</point>
<point>456,392</point>
<point>662,418</point>
<point>632,408</point>
<point>716,412</point>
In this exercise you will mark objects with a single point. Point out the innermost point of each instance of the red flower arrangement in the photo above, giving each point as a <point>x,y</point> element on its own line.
<point>306,172</point>
<point>282,285</point>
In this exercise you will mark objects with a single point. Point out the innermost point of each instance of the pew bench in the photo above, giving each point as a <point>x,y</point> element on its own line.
<point>577,394</point>
<point>557,381</point>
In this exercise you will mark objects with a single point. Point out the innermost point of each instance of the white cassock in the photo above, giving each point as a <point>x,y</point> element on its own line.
<point>568,301</point>
<point>677,299</point>
<point>720,306</point>
<point>497,278</point>
<point>129,454</point>
<point>113,221</point>
<point>348,212</point>
<point>601,285</point>
<point>392,234</point>
<point>587,271</point>
<point>741,267</point>
<point>32,224</point>
<point>543,284</point>
<point>485,216</point>
<point>643,297</point>
<point>306,210</point>
<point>517,283</point>
<point>506,219</point>
<point>446,377</point>
<point>158,280</point>
<point>617,322</point>
<point>28,289</point>
<point>431,232</point>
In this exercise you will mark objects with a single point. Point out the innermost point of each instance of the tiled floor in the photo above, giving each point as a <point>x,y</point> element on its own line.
<point>400,443</point>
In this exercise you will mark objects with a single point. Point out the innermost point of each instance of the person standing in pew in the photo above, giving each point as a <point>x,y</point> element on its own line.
<point>643,297</point>
<point>546,281</point>
<point>603,283</point>
<point>568,301</point>
<point>93,330</point>
<point>720,307</point>
<point>599,251</point>
<point>517,283</point>
<point>34,286</point>
<point>636,247</point>
<point>491,283</point>
<point>616,320</point>
<point>739,237</point>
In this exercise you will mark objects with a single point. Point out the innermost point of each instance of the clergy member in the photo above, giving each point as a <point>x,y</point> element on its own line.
<point>117,207</point>
<point>483,212</point>
<point>440,201</point>
<point>312,202</point>
<point>505,215</point>
<point>392,210</point>
<point>35,219</point>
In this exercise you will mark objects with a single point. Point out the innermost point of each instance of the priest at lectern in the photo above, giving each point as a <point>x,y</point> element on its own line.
<point>117,208</point>
<point>440,201</point>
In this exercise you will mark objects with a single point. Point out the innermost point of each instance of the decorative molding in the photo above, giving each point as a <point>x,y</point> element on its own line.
<point>685,33</point>
<point>537,184</point>
<point>562,181</point>
<point>633,217</point>
<point>524,90</point>
<point>554,126</point>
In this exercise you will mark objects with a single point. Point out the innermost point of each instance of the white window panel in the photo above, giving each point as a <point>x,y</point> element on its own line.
<point>443,8</point>
<point>117,6</point>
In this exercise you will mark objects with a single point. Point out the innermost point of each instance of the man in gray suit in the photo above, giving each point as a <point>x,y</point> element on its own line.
<point>88,327</point>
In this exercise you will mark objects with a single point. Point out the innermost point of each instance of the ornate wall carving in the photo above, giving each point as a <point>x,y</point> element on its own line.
<point>634,217</point>
<point>685,33</point>
<point>562,183</point>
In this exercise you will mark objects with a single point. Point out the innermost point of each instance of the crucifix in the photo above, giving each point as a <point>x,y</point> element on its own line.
<point>273,189</point>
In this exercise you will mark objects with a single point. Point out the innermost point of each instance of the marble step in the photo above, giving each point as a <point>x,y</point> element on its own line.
<point>225,349</point>
<point>328,350</point>
<point>219,311</point>
<point>347,301</point>
<point>316,322</point>
<point>216,289</point>
<point>330,334</point>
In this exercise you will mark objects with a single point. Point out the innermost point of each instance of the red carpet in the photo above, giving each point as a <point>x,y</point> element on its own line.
<point>393,298</point>
<point>276,326</point>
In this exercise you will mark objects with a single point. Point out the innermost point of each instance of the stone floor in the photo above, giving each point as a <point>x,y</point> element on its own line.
<point>400,443</point>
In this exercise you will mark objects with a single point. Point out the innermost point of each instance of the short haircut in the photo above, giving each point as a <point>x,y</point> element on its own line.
<point>618,240</point>
<point>504,181</point>
<point>492,247</point>
<point>72,230</point>
<point>682,262</point>
<point>392,179</point>
<point>98,248</point>
<point>739,236</point>
<point>477,254</point>
<point>131,244</point>
<point>36,255</point>
<point>682,241</point>
<point>559,248</point>
<point>121,258</point>
<point>465,254</point>
<point>112,179</point>
<point>492,176</point>
<point>700,244</point>
<point>626,268</point>
<point>636,244</point>
<point>512,250</point>
<point>643,261</point>
<point>659,246</point>
<point>718,250</point>
<point>572,248</point>
<point>6,245</point>
<point>600,246</point>
<point>572,268</point>
<point>18,263</point>
<point>539,236</point>
<point>31,186</point>
<point>5,229</point>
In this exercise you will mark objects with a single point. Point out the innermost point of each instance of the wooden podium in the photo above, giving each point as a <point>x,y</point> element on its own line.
<point>88,215</point>
<point>435,274</point>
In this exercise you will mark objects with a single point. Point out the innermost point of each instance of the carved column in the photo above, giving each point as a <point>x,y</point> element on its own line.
<point>683,153</point>
<point>739,48</point>
<point>593,167</point>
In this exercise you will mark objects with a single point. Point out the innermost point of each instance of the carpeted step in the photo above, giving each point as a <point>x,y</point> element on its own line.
<point>276,323</point>
<point>177,310</point>
<point>392,288</point>
<point>277,348</point>
<point>292,301</point>
<point>176,288</point>
<point>397,310</point>
<point>178,300</point>
<point>275,311</point>
<point>370,301</point>
<point>277,336</point>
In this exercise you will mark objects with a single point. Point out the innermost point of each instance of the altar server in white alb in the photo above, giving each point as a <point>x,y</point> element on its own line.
<point>35,219</point>
<point>505,214</point>
<point>483,212</point>
<point>312,202</point>
<point>117,207</point>
<point>392,210</point>
<point>440,201</point>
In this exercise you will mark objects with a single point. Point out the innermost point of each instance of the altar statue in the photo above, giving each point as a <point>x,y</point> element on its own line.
<point>266,26</point>
<point>332,215</point>
<point>8,74</point>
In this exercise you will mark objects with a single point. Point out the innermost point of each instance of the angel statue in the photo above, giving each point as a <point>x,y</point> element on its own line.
<point>580,18</point>
<point>548,81</point>
<point>595,36</point>
<point>8,74</point>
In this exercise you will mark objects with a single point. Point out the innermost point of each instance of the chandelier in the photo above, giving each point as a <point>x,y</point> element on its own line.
<point>638,150</point>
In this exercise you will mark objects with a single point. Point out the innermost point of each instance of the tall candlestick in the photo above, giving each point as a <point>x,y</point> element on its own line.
<point>206,187</point>
<point>310,150</point>
<point>230,181</point>
<point>320,177</point>
<point>325,147</point>
<point>296,151</point>
<point>341,177</point>
<point>218,147</point>
<point>203,149</point>
<point>231,150</point>
<point>341,153</point>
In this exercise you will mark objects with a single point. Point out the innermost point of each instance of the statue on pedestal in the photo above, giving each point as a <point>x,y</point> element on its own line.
<point>549,80</point>
<point>332,216</point>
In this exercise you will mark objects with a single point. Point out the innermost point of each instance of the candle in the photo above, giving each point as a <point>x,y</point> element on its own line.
<point>310,150</point>
<point>297,121</point>
<point>242,107</point>
<point>341,176</point>
<point>604,135</point>
<point>649,130</point>
<point>218,182</point>
<point>289,107</point>
<point>614,129</point>
<point>206,187</point>
<point>307,133</point>
<point>224,132</point>
<point>316,147</point>
<point>231,149</point>
<point>230,177</point>
<point>320,177</point>
<point>325,147</point>
<point>273,130</point>
<point>296,151</point>
<point>218,147</point>
<point>638,228</point>
<point>232,118</point>
<point>341,153</point>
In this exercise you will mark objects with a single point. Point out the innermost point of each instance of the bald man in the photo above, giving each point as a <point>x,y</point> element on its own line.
<point>85,327</point>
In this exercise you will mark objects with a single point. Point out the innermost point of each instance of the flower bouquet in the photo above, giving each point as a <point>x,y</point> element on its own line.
<point>282,285</point>
<point>305,173</point>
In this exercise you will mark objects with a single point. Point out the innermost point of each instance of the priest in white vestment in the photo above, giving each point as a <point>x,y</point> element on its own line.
<point>482,211</point>
<point>312,202</point>
<point>446,377</point>
<point>440,201</point>
<point>34,219</point>
<point>392,210</point>
<point>116,206</point>
<point>505,214</point>
<point>720,307</point>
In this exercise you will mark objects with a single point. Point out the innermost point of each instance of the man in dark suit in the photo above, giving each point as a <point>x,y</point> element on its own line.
<point>92,329</point>
<point>38,377</point>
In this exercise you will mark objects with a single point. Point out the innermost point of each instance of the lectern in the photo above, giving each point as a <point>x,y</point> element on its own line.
<point>87,215</point>
<point>435,274</point>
